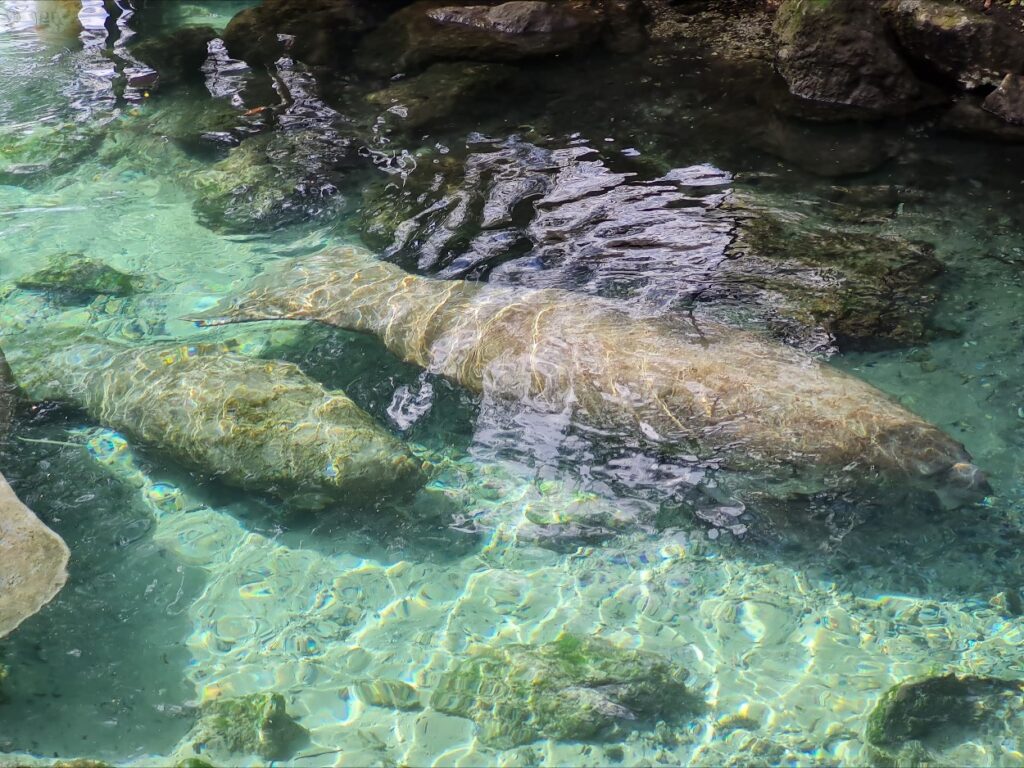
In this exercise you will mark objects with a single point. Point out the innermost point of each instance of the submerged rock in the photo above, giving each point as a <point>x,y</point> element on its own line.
<point>517,213</point>
<point>177,56</point>
<point>574,689</point>
<point>75,276</point>
<point>33,153</point>
<point>865,290</point>
<point>287,175</point>
<point>258,724</point>
<point>439,93</point>
<point>703,388</point>
<point>915,718</point>
<point>319,32</point>
<point>963,45</point>
<point>253,423</point>
<point>838,52</point>
<point>428,31</point>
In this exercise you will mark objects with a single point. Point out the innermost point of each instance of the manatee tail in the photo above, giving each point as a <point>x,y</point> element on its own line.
<point>261,303</point>
<point>280,294</point>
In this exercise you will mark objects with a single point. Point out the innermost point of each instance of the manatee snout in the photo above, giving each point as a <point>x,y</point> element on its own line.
<point>966,482</point>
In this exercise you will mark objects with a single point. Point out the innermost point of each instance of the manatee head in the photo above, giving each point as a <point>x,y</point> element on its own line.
<point>935,461</point>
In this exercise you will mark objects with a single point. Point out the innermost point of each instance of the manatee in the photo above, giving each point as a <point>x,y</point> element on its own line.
<point>33,559</point>
<point>254,423</point>
<point>706,389</point>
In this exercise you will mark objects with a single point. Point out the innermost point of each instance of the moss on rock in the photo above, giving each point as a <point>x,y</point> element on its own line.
<point>913,711</point>
<point>575,688</point>
<point>31,154</point>
<point>257,724</point>
<point>76,276</point>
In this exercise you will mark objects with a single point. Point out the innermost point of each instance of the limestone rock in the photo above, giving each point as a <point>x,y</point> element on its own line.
<point>1007,101</point>
<point>33,561</point>
<point>429,31</point>
<point>965,46</point>
<point>257,724</point>
<point>837,52</point>
<point>575,688</point>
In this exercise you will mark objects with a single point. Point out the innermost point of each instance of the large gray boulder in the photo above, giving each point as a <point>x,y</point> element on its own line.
<point>964,46</point>
<point>837,52</point>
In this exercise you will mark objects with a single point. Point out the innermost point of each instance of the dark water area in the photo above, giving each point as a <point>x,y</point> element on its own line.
<point>675,181</point>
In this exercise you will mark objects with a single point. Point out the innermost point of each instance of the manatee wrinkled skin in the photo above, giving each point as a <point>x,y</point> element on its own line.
<point>254,423</point>
<point>712,390</point>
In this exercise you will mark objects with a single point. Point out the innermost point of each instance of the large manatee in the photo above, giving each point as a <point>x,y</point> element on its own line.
<point>254,423</point>
<point>33,559</point>
<point>710,389</point>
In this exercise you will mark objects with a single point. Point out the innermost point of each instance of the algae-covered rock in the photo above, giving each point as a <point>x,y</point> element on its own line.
<point>392,694</point>
<point>838,52</point>
<point>75,276</point>
<point>575,688</point>
<point>865,290</point>
<point>253,423</point>
<point>917,718</point>
<point>969,48</point>
<point>288,175</point>
<point>257,724</point>
<point>31,153</point>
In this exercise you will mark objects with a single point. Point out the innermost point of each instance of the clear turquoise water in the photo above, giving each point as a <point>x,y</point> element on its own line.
<point>797,635</point>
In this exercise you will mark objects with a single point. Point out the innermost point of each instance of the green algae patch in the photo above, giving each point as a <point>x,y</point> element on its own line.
<point>258,724</point>
<point>575,688</point>
<point>916,717</point>
<point>75,276</point>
